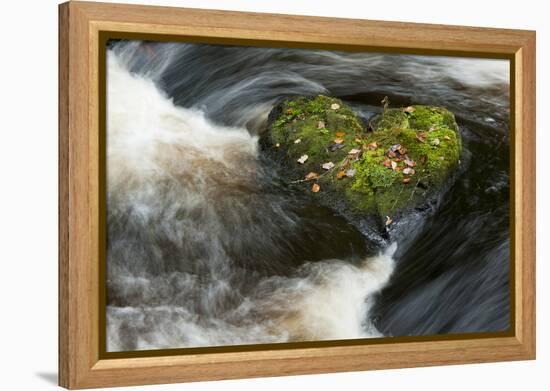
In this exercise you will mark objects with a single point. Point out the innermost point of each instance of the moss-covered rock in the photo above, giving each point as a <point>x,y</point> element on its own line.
<point>405,156</point>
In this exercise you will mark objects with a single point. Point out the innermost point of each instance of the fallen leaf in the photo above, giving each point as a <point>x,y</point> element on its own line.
<point>340,134</point>
<point>315,188</point>
<point>289,111</point>
<point>391,154</point>
<point>340,174</point>
<point>344,163</point>
<point>303,159</point>
<point>447,138</point>
<point>421,136</point>
<point>338,140</point>
<point>393,165</point>
<point>388,220</point>
<point>335,106</point>
<point>328,165</point>
<point>409,109</point>
<point>351,173</point>
<point>406,180</point>
<point>277,145</point>
<point>385,102</point>
<point>358,140</point>
<point>387,162</point>
<point>373,146</point>
<point>402,150</point>
<point>410,162</point>
<point>321,125</point>
<point>409,171</point>
<point>435,141</point>
<point>335,147</point>
<point>311,175</point>
<point>298,141</point>
<point>354,151</point>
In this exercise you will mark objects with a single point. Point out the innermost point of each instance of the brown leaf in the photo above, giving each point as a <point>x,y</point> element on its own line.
<point>393,165</point>
<point>421,136</point>
<point>312,175</point>
<point>328,165</point>
<point>315,188</point>
<point>373,146</point>
<point>406,180</point>
<point>340,175</point>
<point>402,150</point>
<point>410,162</point>
<point>409,171</point>
<point>391,154</point>
<point>345,163</point>
<point>340,134</point>
<point>409,109</point>
<point>338,140</point>
<point>387,163</point>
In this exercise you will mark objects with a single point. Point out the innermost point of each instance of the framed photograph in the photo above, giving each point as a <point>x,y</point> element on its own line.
<point>247,195</point>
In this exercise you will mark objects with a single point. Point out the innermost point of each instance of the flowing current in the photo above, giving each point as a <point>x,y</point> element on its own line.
<point>207,246</point>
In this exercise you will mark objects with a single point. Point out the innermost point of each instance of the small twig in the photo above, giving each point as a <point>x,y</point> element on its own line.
<point>312,179</point>
<point>398,197</point>
<point>415,186</point>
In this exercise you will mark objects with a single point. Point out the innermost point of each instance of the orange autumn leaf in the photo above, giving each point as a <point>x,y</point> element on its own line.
<point>315,188</point>
<point>340,175</point>
<point>372,146</point>
<point>340,134</point>
<point>421,136</point>
<point>312,175</point>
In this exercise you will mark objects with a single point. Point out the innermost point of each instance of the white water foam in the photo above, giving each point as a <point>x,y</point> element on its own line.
<point>165,162</point>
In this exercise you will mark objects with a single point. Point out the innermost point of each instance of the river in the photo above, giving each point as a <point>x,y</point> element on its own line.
<point>207,246</point>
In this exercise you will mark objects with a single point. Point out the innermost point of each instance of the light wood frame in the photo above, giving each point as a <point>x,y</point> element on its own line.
<point>80,25</point>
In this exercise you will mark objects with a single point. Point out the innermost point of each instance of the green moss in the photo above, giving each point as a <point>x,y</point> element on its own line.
<point>300,120</point>
<point>371,174</point>
<point>390,120</point>
<point>428,117</point>
<point>429,135</point>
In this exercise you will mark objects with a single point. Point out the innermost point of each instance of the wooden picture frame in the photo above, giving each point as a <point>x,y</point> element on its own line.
<point>82,27</point>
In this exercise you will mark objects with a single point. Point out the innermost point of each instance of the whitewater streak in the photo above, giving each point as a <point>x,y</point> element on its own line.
<point>193,217</point>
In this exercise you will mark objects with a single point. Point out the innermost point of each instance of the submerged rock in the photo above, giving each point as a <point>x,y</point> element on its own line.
<point>403,158</point>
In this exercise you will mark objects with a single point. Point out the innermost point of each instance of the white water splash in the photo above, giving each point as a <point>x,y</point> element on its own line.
<point>174,180</point>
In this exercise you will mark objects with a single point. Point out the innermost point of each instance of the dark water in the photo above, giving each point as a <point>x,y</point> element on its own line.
<point>221,256</point>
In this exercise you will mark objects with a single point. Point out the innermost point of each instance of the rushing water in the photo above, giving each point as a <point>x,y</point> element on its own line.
<point>208,246</point>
